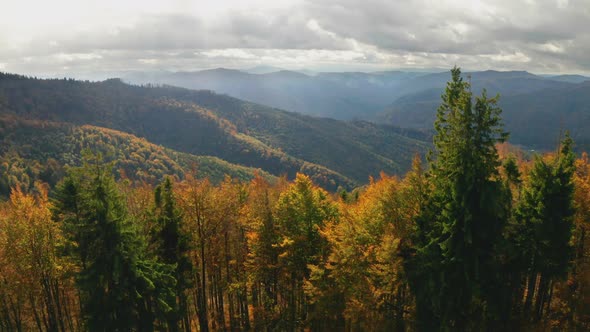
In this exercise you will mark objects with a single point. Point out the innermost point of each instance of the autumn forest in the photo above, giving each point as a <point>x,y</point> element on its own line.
<point>478,235</point>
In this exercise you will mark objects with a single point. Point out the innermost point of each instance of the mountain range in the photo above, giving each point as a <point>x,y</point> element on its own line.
<point>197,124</point>
<point>534,105</point>
<point>536,116</point>
<point>155,129</point>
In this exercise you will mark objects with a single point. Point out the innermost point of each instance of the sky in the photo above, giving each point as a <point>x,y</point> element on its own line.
<point>80,37</point>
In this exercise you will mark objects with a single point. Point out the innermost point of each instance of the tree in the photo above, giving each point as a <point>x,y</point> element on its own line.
<point>460,226</point>
<point>120,288</point>
<point>301,211</point>
<point>263,244</point>
<point>36,292</point>
<point>545,216</point>
<point>196,202</point>
<point>366,254</point>
<point>173,246</point>
<point>219,254</point>
<point>576,292</point>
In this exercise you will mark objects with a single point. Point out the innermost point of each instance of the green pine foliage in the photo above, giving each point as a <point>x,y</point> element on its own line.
<point>544,221</point>
<point>121,288</point>
<point>172,243</point>
<point>466,211</point>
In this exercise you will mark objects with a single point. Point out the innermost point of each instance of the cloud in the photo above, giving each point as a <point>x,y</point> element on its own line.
<point>535,35</point>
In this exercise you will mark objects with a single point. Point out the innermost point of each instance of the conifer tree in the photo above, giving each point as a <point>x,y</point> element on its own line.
<point>545,216</point>
<point>173,246</point>
<point>120,288</point>
<point>453,270</point>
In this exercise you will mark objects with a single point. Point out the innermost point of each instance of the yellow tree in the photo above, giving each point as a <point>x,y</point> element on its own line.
<point>261,228</point>
<point>368,246</point>
<point>37,292</point>
<point>301,211</point>
<point>196,201</point>
<point>219,251</point>
<point>573,297</point>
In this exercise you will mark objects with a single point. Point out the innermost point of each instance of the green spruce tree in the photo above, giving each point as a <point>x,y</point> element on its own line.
<point>452,271</point>
<point>173,246</point>
<point>545,221</point>
<point>120,288</point>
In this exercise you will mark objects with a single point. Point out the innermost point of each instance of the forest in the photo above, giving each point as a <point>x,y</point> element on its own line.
<point>479,236</point>
<point>204,123</point>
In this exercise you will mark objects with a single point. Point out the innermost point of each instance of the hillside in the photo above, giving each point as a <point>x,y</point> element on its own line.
<point>333,153</point>
<point>534,119</point>
<point>33,149</point>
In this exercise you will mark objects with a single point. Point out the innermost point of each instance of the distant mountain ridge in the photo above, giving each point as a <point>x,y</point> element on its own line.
<point>534,118</point>
<point>335,95</point>
<point>345,95</point>
<point>570,78</point>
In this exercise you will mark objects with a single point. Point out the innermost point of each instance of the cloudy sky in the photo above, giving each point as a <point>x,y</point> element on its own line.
<point>74,37</point>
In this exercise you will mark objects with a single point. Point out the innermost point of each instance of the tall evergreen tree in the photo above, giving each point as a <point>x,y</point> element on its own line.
<point>462,221</point>
<point>121,289</point>
<point>173,246</point>
<point>545,220</point>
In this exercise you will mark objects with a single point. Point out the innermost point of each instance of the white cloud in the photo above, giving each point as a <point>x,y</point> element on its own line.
<point>516,57</point>
<point>70,57</point>
<point>229,53</point>
<point>550,48</point>
<point>110,35</point>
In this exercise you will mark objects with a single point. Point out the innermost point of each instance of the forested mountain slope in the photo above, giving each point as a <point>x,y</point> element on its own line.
<point>333,153</point>
<point>41,150</point>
